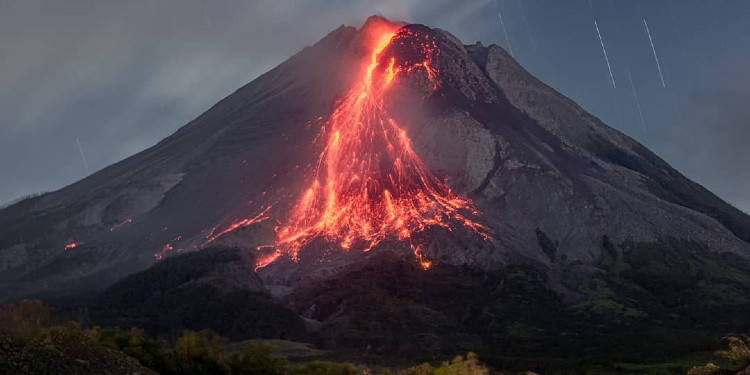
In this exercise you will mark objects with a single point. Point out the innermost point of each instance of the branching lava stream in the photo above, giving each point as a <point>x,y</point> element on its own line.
<point>368,183</point>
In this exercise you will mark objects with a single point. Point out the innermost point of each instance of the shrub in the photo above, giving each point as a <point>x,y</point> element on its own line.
<point>24,321</point>
<point>325,368</point>
<point>738,349</point>
<point>200,353</point>
<point>460,365</point>
<point>257,360</point>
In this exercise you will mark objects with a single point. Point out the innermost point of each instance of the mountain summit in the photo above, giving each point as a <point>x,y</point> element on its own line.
<point>394,141</point>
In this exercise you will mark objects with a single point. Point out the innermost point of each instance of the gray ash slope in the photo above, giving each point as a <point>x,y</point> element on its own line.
<point>560,189</point>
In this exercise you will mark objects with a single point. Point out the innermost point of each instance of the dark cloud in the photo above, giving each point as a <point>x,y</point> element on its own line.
<point>121,75</point>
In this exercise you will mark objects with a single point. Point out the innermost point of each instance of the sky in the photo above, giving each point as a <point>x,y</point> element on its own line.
<point>84,84</point>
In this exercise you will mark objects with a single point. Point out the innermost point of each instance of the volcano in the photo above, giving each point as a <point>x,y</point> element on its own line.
<point>392,164</point>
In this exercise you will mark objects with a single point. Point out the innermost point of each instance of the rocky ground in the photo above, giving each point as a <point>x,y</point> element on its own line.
<point>65,353</point>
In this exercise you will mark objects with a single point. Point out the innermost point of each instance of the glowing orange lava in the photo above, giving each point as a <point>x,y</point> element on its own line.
<point>118,225</point>
<point>167,248</point>
<point>73,245</point>
<point>215,233</point>
<point>368,184</point>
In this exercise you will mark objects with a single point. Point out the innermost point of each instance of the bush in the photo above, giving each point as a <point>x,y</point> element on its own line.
<point>257,360</point>
<point>325,368</point>
<point>196,353</point>
<point>460,365</point>
<point>738,349</point>
<point>134,343</point>
<point>24,321</point>
<point>201,353</point>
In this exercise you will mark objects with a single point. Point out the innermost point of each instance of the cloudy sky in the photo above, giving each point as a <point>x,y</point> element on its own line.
<point>118,76</point>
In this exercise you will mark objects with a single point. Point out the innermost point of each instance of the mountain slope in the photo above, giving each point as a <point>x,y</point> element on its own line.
<point>556,187</point>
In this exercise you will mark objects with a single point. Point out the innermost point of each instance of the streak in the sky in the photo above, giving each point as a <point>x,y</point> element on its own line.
<point>606,58</point>
<point>658,65</point>
<point>83,157</point>
<point>637,102</point>
<point>502,24</point>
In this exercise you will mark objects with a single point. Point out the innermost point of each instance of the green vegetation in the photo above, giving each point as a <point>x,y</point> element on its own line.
<point>460,365</point>
<point>24,321</point>
<point>194,353</point>
<point>739,349</point>
<point>736,357</point>
<point>31,324</point>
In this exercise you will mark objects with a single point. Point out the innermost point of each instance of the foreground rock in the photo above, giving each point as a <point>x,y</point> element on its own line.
<point>65,353</point>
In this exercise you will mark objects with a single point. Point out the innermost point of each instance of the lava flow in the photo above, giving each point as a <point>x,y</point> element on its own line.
<point>72,245</point>
<point>368,184</point>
